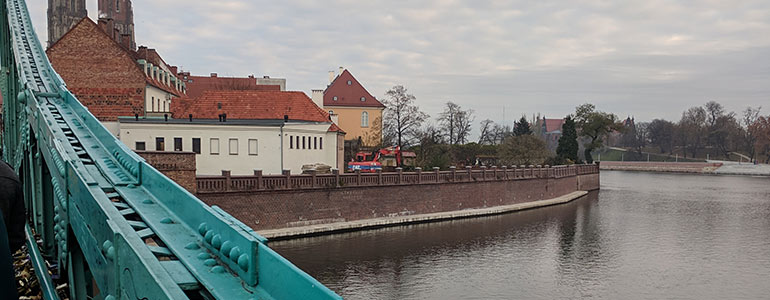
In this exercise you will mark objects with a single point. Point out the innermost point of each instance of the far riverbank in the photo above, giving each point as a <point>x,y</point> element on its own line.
<point>710,167</point>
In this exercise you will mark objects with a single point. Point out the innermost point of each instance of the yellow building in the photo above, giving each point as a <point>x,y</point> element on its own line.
<point>353,108</point>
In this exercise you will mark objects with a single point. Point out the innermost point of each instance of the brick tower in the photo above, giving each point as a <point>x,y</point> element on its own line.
<point>120,15</point>
<point>62,15</point>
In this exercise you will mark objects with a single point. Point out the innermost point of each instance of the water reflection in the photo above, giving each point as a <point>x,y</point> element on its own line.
<point>643,236</point>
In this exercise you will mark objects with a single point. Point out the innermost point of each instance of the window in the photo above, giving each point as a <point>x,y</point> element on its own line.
<point>158,104</point>
<point>160,144</point>
<point>297,142</point>
<point>214,146</point>
<point>140,146</point>
<point>253,147</point>
<point>334,98</point>
<point>152,108</point>
<point>363,99</point>
<point>196,144</point>
<point>350,82</point>
<point>177,144</point>
<point>291,142</point>
<point>303,142</point>
<point>364,119</point>
<point>315,142</point>
<point>117,5</point>
<point>233,146</point>
<point>320,143</point>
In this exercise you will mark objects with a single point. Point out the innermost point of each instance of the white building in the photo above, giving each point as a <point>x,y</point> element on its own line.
<point>246,134</point>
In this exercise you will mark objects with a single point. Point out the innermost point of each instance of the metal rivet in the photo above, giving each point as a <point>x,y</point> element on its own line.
<point>166,221</point>
<point>208,236</point>
<point>216,241</point>
<point>191,246</point>
<point>218,269</point>
<point>226,246</point>
<point>210,262</point>
<point>202,228</point>
<point>234,253</point>
<point>204,256</point>
<point>243,262</point>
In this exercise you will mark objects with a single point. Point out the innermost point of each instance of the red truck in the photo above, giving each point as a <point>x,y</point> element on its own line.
<point>388,158</point>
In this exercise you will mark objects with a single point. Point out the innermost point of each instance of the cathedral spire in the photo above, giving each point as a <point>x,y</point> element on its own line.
<point>121,16</point>
<point>62,16</point>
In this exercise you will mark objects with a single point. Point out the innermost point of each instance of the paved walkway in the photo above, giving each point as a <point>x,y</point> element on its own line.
<point>421,218</point>
<point>735,168</point>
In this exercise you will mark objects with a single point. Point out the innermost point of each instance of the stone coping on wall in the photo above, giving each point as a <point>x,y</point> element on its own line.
<point>227,183</point>
<point>295,232</point>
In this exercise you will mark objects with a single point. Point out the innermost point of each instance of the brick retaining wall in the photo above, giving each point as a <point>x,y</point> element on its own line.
<point>281,208</point>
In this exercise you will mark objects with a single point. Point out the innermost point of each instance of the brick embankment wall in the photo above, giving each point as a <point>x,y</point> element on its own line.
<point>293,208</point>
<point>676,167</point>
<point>178,166</point>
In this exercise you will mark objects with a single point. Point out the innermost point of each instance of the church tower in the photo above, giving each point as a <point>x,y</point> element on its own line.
<point>63,15</point>
<point>120,15</point>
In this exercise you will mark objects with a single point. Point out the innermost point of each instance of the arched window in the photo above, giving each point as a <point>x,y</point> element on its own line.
<point>364,119</point>
<point>152,107</point>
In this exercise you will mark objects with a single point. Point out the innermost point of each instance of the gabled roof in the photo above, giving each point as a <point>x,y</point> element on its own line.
<point>335,128</point>
<point>553,124</point>
<point>99,33</point>
<point>251,105</point>
<point>197,85</point>
<point>348,94</point>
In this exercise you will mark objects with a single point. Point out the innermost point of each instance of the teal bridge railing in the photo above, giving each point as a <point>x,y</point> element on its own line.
<point>116,227</point>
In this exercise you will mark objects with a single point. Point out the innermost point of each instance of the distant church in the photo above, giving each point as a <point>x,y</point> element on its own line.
<point>118,14</point>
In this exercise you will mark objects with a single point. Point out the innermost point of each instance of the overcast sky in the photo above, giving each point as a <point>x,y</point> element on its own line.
<point>648,59</point>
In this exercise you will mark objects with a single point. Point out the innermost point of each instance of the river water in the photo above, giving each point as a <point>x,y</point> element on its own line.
<point>643,236</point>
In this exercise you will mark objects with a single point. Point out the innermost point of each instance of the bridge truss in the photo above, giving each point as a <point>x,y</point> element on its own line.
<point>115,226</point>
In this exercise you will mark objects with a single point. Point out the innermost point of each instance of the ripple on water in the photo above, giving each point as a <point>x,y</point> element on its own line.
<point>645,235</point>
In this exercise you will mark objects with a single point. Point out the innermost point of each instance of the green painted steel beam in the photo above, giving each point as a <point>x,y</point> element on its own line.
<point>118,228</point>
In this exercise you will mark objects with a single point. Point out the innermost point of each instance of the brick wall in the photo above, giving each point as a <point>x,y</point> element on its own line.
<point>290,208</point>
<point>101,74</point>
<point>178,166</point>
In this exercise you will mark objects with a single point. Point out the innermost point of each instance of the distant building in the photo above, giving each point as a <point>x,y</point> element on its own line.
<point>62,16</point>
<point>550,131</point>
<point>197,85</point>
<point>119,14</point>
<point>111,79</point>
<point>242,131</point>
<point>351,106</point>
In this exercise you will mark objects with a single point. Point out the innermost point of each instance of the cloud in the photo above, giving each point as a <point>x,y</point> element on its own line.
<point>649,59</point>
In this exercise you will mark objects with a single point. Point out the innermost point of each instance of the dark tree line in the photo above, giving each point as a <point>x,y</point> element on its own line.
<point>702,129</point>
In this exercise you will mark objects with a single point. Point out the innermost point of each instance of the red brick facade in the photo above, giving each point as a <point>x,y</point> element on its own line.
<point>290,208</point>
<point>101,74</point>
<point>178,166</point>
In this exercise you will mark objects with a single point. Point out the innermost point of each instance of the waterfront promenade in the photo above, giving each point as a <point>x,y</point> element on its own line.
<point>709,167</point>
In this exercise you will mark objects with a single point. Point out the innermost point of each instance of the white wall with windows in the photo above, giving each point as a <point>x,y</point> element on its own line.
<point>157,100</point>
<point>238,148</point>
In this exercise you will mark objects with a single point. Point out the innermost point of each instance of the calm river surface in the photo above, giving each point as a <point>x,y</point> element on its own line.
<point>643,236</point>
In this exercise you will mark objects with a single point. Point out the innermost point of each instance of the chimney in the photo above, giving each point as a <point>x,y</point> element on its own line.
<point>331,76</point>
<point>251,75</point>
<point>213,74</point>
<point>173,70</point>
<point>318,98</point>
<point>335,118</point>
<point>341,69</point>
<point>266,77</point>
<point>125,40</point>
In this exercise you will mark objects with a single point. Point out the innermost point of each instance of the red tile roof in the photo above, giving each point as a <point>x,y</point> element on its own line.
<point>553,124</point>
<point>335,128</point>
<point>196,85</point>
<point>250,105</point>
<point>348,94</point>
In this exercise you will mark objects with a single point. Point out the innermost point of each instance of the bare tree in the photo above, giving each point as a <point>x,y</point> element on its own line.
<point>693,129</point>
<point>486,134</point>
<point>402,118</point>
<point>456,123</point>
<point>661,134</point>
<point>750,116</point>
